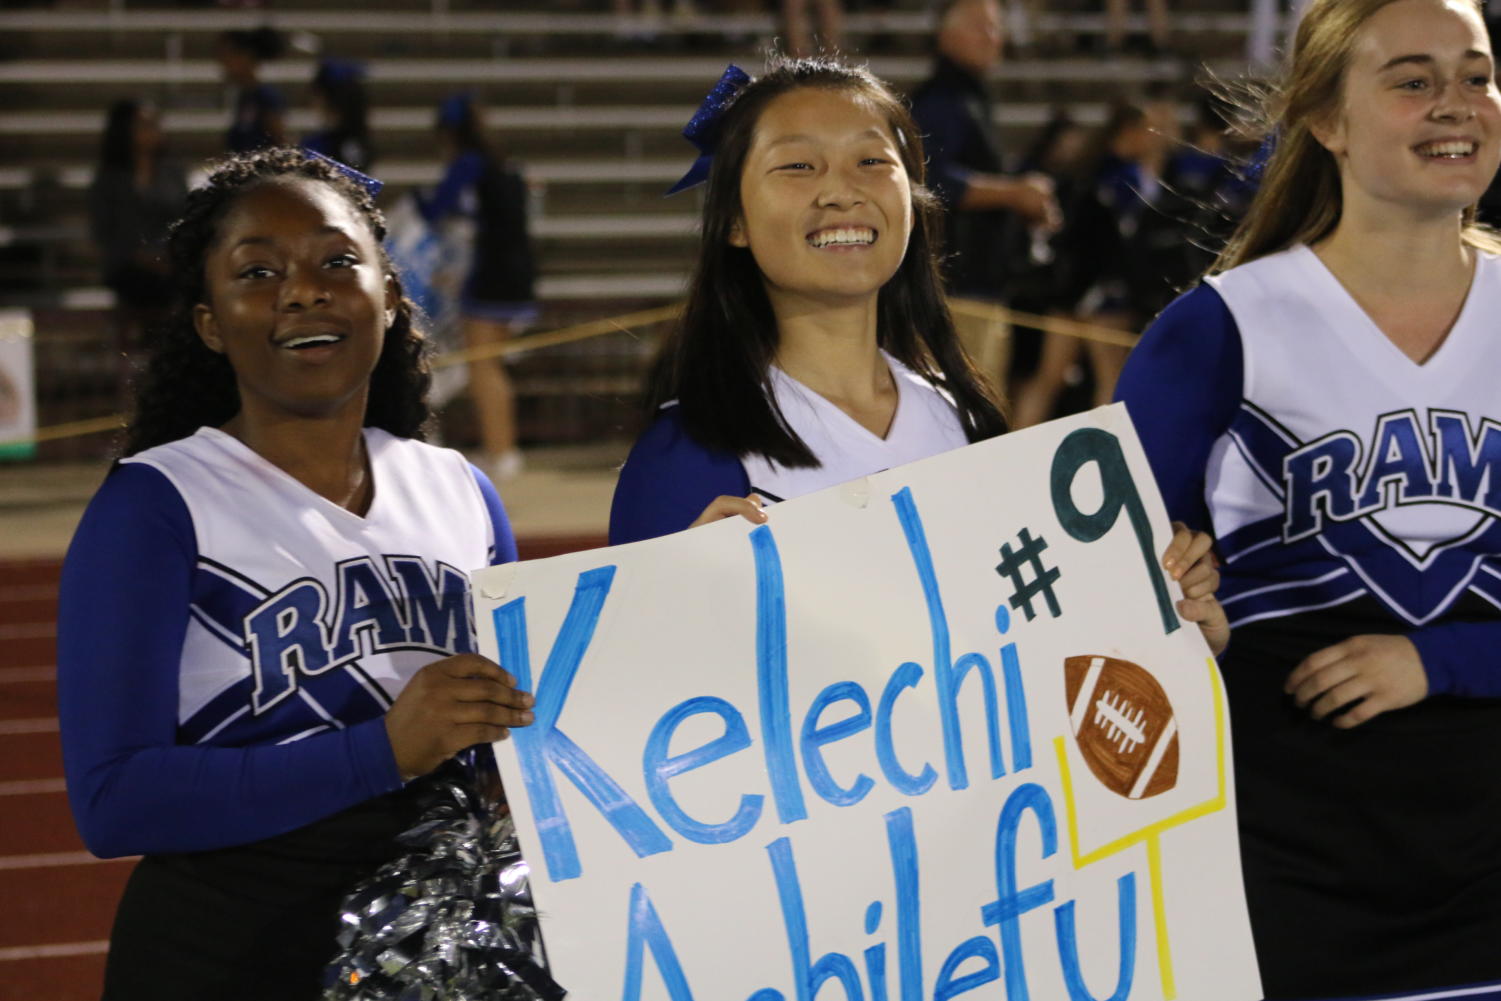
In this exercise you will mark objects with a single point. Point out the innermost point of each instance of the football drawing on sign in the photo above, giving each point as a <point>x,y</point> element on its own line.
<point>1124,725</point>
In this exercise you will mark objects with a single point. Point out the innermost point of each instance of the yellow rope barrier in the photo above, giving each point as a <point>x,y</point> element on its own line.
<point>1047,324</point>
<point>625,323</point>
<point>73,429</point>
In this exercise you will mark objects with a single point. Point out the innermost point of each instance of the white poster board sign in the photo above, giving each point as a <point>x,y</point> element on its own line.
<point>932,733</point>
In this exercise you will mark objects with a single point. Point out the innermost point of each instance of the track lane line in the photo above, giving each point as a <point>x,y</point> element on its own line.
<point>16,727</point>
<point>52,860</point>
<point>24,675</point>
<point>57,951</point>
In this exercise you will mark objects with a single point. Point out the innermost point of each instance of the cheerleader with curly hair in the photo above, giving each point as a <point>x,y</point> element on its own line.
<point>263,625</point>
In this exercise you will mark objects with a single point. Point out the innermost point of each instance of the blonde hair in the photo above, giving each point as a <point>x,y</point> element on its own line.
<point>1299,200</point>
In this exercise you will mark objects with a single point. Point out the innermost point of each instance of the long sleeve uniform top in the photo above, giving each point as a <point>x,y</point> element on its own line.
<point>229,641</point>
<point>1335,472</point>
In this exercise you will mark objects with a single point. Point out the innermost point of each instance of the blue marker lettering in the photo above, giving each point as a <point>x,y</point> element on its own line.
<point>1016,696</point>
<point>543,742</point>
<point>875,955</point>
<point>1010,904</point>
<point>951,985</point>
<point>771,671</point>
<point>946,674</point>
<point>906,676</point>
<point>815,737</point>
<point>903,845</point>
<point>645,929</point>
<point>659,767</point>
<point>807,979</point>
<point>1068,944</point>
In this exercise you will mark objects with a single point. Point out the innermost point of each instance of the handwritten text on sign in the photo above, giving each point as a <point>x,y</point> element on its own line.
<point>935,733</point>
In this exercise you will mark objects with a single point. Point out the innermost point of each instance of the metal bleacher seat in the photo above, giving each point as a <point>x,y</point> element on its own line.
<point>595,125</point>
<point>593,120</point>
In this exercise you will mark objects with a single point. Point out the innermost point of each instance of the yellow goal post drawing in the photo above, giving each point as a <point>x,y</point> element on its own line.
<point>1151,835</point>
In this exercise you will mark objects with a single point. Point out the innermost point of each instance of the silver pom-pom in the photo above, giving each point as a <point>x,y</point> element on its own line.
<point>452,918</point>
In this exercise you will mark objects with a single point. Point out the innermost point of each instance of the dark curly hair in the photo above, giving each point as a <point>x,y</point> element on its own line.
<point>186,386</point>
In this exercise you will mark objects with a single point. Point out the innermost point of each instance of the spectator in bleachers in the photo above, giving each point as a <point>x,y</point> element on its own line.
<point>339,98</point>
<point>136,193</point>
<point>259,108</point>
<point>1198,163</point>
<point>953,111</point>
<point>1106,235</point>
<point>497,297</point>
<point>1158,34</point>
<point>1048,266</point>
<point>801,40</point>
<point>1213,179</point>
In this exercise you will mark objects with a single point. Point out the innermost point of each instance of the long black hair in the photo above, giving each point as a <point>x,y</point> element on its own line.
<point>186,386</point>
<point>717,362</point>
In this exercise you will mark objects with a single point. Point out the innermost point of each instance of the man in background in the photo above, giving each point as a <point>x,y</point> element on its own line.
<point>984,204</point>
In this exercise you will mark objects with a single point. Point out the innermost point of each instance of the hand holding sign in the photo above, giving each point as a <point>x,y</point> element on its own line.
<point>449,705</point>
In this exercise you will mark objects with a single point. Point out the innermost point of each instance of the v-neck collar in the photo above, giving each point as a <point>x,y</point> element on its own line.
<point>1354,326</point>
<point>247,454</point>
<point>824,404</point>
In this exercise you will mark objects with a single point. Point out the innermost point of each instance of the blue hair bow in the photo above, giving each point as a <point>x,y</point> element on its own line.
<point>702,129</point>
<point>371,185</point>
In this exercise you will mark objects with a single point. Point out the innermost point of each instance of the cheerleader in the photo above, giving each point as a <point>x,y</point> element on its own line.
<point>1326,403</point>
<point>816,346</point>
<point>263,627</point>
<point>498,298</point>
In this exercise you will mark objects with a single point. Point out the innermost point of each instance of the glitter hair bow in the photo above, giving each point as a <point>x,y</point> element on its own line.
<point>371,185</point>
<point>702,129</point>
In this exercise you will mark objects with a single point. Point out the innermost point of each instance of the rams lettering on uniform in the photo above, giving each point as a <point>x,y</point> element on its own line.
<point>1335,476</point>
<point>300,631</point>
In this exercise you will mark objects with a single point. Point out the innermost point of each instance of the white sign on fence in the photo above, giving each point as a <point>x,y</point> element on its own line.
<point>935,732</point>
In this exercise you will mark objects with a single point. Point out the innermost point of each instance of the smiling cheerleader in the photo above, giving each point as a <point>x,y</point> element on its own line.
<point>1327,402</point>
<point>263,630</point>
<point>816,345</point>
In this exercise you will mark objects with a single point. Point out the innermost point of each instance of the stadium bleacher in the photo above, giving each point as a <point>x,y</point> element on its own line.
<point>592,117</point>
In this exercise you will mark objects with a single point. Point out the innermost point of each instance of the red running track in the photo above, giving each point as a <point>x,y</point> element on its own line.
<point>58,900</point>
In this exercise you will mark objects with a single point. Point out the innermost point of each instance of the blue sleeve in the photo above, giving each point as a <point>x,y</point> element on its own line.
<point>504,550</point>
<point>1460,658</point>
<point>1182,386</point>
<point>668,480</point>
<point>463,172</point>
<point>123,608</point>
<point>943,125</point>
